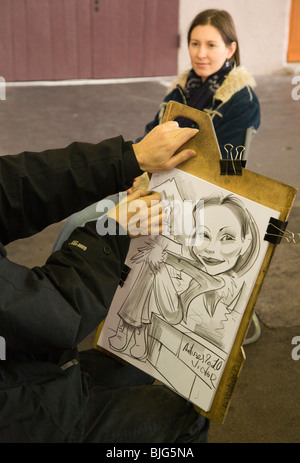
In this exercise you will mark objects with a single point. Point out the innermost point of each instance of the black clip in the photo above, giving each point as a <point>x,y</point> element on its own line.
<point>275,231</point>
<point>124,274</point>
<point>232,165</point>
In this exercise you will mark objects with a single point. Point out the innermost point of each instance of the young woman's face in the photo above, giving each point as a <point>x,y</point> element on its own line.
<point>208,51</point>
<point>221,241</point>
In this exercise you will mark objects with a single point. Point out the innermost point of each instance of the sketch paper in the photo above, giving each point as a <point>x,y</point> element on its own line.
<point>177,315</point>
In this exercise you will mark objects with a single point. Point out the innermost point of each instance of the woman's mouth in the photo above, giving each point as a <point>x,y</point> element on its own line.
<point>211,261</point>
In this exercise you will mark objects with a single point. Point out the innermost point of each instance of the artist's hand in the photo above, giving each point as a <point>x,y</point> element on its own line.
<point>155,152</point>
<point>140,183</point>
<point>139,213</point>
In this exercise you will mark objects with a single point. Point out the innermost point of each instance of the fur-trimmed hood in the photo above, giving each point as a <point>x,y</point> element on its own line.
<point>235,80</point>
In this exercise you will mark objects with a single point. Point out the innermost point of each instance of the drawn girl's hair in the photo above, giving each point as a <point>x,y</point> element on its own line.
<point>248,227</point>
<point>223,22</point>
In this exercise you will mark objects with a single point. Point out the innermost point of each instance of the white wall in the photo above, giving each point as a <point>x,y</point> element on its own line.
<point>262,28</point>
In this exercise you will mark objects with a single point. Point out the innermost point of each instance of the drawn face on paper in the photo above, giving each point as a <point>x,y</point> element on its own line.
<point>222,240</point>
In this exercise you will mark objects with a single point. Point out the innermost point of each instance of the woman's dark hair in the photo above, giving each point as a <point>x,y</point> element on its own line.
<point>223,22</point>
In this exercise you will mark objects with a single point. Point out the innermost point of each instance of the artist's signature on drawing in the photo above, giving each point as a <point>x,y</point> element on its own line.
<point>204,364</point>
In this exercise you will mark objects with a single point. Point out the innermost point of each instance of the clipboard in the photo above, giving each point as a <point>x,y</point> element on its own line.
<point>208,166</point>
<point>263,190</point>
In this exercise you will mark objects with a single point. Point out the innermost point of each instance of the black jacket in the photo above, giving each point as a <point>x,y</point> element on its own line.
<point>46,311</point>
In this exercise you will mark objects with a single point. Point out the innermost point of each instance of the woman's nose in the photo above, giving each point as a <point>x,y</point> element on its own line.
<point>201,52</point>
<point>209,249</point>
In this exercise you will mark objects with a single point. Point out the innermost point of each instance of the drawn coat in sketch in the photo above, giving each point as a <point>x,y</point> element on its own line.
<point>198,289</point>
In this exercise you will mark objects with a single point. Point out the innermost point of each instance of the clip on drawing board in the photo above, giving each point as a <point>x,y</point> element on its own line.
<point>194,346</point>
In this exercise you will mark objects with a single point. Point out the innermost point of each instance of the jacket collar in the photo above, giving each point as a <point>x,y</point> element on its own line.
<point>236,80</point>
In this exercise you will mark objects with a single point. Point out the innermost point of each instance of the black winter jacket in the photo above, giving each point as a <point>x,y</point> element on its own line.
<point>46,311</point>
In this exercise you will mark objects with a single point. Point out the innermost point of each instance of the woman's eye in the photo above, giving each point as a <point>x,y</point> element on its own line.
<point>203,235</point>
<point>227,238</point>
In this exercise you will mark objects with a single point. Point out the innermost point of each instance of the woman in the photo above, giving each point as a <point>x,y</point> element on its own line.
<point>216,84</point>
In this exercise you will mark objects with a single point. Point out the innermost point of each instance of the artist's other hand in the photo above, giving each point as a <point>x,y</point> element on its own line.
<point>140,183</point>
<point>139,213</point>
<point>155,152</point>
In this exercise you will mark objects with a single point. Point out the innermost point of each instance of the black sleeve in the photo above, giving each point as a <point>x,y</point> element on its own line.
<point>59,304</point>
<point>37,189</point>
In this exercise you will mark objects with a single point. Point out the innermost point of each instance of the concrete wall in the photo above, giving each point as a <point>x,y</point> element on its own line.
<point>262,28</point>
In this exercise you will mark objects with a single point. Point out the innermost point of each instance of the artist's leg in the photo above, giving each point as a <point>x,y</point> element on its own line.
<point>142,414</point>
<point>108,373</point>
<point>124,407</point>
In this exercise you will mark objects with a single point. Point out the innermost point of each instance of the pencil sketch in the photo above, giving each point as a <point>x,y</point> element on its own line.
<point>181,305</point>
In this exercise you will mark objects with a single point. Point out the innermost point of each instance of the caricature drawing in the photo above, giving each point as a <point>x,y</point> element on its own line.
<point>228,245</point>
<point>187,291</point>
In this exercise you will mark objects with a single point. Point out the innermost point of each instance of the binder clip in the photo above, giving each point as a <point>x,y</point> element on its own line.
<point>124,274</point>
<point>276,231</point>
<point>232,165</point>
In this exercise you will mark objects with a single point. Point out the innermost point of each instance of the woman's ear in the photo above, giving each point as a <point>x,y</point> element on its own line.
<point>231,50</point>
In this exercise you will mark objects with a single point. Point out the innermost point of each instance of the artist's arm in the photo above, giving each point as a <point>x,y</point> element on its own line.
<point>57,305</point>
<point>37,189</point>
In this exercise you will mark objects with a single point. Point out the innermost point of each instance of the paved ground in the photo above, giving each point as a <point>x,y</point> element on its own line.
<point>266,402</point>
